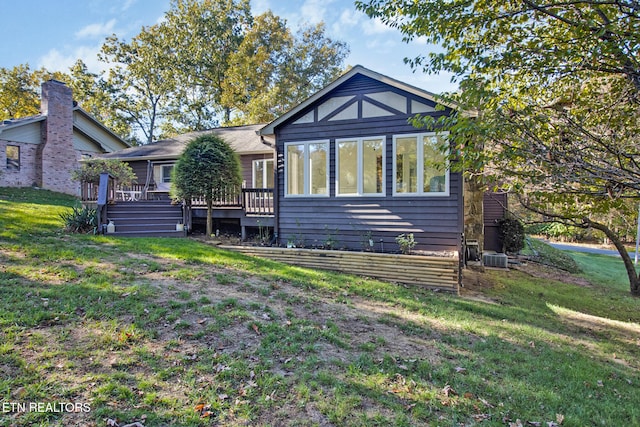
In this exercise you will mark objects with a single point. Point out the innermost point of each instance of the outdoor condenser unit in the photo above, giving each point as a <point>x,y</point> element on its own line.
<point>495,260</point>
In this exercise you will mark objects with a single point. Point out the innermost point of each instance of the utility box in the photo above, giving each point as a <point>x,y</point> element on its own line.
<point>495,260</point>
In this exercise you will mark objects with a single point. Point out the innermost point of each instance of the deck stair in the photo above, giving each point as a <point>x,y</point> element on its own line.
<point>145,218</point>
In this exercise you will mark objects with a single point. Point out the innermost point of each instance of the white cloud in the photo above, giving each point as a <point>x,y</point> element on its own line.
<point>97,30</point>
<point>54,60</point>
<point>376,26</point>
<point>314,11</point>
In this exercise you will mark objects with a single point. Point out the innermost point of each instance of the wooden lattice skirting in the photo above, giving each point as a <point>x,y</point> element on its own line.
<point>427,271</point>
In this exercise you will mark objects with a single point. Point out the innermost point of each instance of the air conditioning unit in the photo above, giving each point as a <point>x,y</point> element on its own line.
<point>495,260</point>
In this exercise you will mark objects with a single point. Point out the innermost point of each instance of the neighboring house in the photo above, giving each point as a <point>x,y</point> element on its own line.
<point>43,150</point>
<point>152,163</point>
<point>352,170</point>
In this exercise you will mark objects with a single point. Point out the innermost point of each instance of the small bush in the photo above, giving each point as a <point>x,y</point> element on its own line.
<point>79,220</point>
<point>511,235</point>
<point>406,243</point>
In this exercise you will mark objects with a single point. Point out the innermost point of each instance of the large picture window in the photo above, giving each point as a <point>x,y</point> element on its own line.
<point>13,157</point>
<point>420,166</point>
<point>307,168</point>
<point>263,173</point>
<point>360,167</point>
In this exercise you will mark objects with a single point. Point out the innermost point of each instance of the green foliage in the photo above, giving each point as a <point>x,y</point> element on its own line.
<point>406,243</point>
<point>419,358</point>
<point>512,235</point>
<point>91,169</point>
<point>80,220</point>
<point>207,168</point>
<point>542,253</point>
<point>548,100</point>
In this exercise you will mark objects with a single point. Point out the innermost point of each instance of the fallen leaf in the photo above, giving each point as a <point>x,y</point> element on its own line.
<point>559,418</point>
<point>223,396</point>
<point>206,414</point>
<point>255,328</point>
<point>461,370</point>
<point>468,395</point>
<point>449,391</point>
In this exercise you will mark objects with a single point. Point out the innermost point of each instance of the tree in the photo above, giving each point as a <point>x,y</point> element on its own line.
<point>91,169</point>
<point>92,93</point>
<point>141,79</point>
<point>273,70</point>
<point>208,168</point>
<point>556,87</point>
<point>20,90</point>
<point>202,35</point>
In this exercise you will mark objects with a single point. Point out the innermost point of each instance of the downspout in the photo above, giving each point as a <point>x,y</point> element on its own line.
<point>276,198</point>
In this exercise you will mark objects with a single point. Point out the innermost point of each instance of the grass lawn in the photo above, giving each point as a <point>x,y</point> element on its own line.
<point>174,332</point>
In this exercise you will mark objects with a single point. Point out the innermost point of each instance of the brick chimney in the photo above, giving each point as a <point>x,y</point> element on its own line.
<point>57,155</point>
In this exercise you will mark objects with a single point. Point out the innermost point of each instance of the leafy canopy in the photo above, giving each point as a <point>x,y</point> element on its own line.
<point>556,91</point>
<point>91,169</point>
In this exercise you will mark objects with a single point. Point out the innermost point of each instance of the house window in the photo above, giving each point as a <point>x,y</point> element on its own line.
<point>263,173</point>
<point>166,173</point>
<point>162,176</point>
<point>360,167</point>
<point>306,168</point>
<point>13,157</point>
<point>420,166</point>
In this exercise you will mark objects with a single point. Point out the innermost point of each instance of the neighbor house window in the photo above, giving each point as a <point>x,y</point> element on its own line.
<point>420,166</point>
<point>263,173</point>
<point>307,168</point>
<point>360,167</point>
<point>13,157</point>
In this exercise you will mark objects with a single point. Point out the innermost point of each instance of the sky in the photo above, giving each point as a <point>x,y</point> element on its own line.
<point>55,33</point>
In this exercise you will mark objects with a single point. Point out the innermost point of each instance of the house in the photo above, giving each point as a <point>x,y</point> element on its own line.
<point>344,169</point>
<point>253,207</point>
<point>44,149</point>
<point>152,163</point>
<point>353,173</point>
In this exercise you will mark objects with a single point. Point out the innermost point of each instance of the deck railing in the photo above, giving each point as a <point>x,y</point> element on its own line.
<point>254,201</point>
<point>257,201</point>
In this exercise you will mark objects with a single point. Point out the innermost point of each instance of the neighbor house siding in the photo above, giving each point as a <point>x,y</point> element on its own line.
<point>349,222</point>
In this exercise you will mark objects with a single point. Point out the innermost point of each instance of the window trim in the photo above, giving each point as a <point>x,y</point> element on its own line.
<point>360,167</point>
<point>306,177</point>
<point>13,168</point>
<point>420,166</point>
<point>265,171</point>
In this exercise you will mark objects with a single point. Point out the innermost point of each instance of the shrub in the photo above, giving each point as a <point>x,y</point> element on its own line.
<point>80,220</point>
<point>511,235</point>
<point>406,243</point>
<point>91,170</point>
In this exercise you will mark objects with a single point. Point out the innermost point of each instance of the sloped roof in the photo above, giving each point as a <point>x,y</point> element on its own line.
<point>242,139</point>
<point>23,121</point>
<point>14,123</point>
<point>358,69</point>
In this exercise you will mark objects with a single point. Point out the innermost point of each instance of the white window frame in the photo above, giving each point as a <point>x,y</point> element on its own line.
<point>265,173</point>
<point>420,166</point>
<point>360,168</point>
<point>307,178</point>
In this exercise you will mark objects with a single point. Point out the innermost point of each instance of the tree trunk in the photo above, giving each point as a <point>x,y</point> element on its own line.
<point>634,277</point>
<point>209,217</point>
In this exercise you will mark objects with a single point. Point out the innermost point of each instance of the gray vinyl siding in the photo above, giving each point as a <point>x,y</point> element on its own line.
<point>436,221</point>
